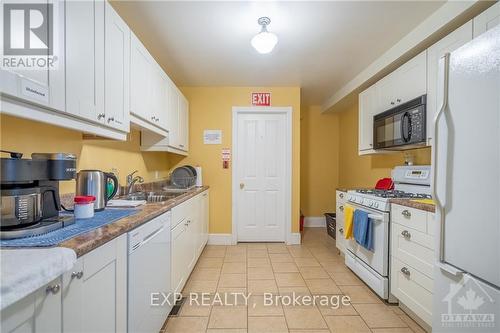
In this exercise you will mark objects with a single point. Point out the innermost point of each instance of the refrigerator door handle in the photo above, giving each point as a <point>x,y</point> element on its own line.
<point>441,259</point>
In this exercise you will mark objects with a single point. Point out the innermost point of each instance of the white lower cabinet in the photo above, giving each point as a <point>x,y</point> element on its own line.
<point>40,311</point>
<point>412,259</point>
<point>189,237</point>
<point>95,291</point>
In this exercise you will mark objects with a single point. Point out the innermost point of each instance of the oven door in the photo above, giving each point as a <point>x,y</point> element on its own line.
<point>378,260</point>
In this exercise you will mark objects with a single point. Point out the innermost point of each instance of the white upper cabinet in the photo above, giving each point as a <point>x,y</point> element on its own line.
<point>367,109</point>
<point>404,84</point>
<point>487,19</point>
<point>141,70</point>
<point>449,43</point>
<point>178,119</point>
<point>43,86</point>
<point>117,70</point>
<point>85,59</point>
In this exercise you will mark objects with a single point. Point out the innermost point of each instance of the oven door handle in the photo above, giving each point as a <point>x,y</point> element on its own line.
<point>376,217</point>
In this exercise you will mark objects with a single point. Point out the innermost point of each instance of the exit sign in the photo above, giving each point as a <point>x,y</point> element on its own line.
<point>261,99</point>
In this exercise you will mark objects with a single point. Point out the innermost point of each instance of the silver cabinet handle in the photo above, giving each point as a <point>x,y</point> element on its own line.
<point>204,194</point>
<point>341,208</point>
<point>54,289</point>
<point>77,275</point>
<point>405,271</point>
<point>341,231</point>
<point>392,103</point>
<point>100,115</point>
<point>181,146</point>
<point>406,213</point>
<point>406,234</point>
<point>341,195</point>
<point>111,119</point>
<point>398,100</point>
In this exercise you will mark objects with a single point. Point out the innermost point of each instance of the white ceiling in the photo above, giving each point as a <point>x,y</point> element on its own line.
<point>322,45</point>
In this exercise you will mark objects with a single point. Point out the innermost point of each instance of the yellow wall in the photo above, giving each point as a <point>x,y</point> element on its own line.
<point>211,108</point>
<point>364,171</point>
<point>27,136</point>
<point>319,161</point>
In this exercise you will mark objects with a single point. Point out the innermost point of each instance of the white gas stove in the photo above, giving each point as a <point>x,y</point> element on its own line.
<point>410,182</point>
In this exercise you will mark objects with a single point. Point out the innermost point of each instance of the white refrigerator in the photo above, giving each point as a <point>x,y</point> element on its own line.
<point>466,188</point>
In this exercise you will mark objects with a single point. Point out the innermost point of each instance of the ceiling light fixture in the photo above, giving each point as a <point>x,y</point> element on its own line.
<point>265,41</point>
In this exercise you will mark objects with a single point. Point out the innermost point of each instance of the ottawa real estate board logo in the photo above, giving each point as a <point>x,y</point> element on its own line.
<point>28,36</point>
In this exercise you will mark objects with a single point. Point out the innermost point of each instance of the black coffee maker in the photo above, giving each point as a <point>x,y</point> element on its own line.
<point>30,201</point>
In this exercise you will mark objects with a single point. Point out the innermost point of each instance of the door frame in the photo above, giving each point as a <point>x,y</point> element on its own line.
<point>287,111</point>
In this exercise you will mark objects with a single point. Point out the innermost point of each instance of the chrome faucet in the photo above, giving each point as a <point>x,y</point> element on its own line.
<point>131,180</point>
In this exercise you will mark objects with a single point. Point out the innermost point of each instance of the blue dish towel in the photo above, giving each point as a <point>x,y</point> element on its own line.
<point>363,229</point>
<point>80,226</point>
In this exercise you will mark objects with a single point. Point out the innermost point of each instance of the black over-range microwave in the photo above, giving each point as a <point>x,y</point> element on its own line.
<point>401,127</point>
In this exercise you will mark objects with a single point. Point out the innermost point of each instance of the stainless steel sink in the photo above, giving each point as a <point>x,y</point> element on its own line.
<point>151,196</point>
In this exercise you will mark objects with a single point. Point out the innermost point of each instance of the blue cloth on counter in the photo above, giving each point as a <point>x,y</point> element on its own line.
<point>363,229</point>
<point>80,226</point>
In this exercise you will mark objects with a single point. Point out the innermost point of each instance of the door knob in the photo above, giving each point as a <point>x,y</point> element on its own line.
<point>242,185</point>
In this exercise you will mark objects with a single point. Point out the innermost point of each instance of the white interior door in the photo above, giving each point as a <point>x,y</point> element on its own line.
<point>261,176</point>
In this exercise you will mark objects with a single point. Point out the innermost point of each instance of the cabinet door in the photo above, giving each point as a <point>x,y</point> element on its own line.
<point>95,295</point>
<point>157,108</point>
<point>449,43</point>
<point>486,20</point>
<point>43,86</point>
<point>411,79</point>
<point>164,104</point>
<point>140,79</point>
<point>367,107</point>
<point>173,111</point>
<point>41,311</point>
<point>85,59</point>
<point>205,216</point>
<point>386,93</point>
<point>117,71</point>
<point>179,256</point>
<point>183,123</point>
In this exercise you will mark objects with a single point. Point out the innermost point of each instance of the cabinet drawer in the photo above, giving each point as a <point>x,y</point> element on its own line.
<point>409,217</point>
<point>413,247</point>
<point>414,289</point>
<point>181,212</point>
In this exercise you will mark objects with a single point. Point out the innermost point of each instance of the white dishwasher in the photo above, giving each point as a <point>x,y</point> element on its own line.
<point>149,275</point>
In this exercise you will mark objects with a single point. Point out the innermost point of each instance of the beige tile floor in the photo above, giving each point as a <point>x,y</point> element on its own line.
<point>312,268</point>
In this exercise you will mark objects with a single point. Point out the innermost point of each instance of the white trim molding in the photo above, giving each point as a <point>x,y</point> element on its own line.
<point>220,239</point>
<point>295,239</point>
<point>288,238</point>
<point>315,222</point>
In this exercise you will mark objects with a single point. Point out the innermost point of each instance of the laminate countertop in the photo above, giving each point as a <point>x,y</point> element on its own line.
<point>91,240</point>
<point>414,204</point>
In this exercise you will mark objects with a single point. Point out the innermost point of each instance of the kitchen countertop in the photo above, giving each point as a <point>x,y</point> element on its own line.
<point>91,240</point>
<point>414,204</point>
<point>26,270</point>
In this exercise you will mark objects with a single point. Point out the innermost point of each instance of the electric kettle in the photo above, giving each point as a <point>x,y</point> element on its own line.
<point>95,182</point>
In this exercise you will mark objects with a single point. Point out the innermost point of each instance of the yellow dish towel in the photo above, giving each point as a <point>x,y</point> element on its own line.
<point>425,201</point>
<point>348,221</point>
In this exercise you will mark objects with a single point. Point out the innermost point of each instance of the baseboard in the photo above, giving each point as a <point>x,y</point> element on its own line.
<point>220,239</point>
<point>315,222</point>
<point>294,238</point>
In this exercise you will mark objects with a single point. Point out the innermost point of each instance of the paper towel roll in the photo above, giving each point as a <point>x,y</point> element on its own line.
<point>199,182</point>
